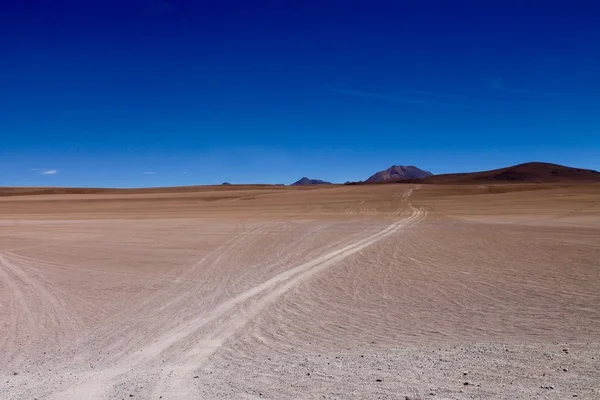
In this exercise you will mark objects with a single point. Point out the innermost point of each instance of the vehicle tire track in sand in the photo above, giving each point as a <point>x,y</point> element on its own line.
<point>31,305</point>
<point>177,384</point>
<point>175,296</point>
<point>184,347</point>
<point>230,316</point>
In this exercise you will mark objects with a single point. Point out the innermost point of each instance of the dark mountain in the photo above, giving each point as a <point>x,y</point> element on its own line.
<point>532,172</point>
<point>399,172</point>
<point>306,181</point>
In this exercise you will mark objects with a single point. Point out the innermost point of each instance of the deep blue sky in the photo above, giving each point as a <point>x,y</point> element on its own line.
<point>173,92</point>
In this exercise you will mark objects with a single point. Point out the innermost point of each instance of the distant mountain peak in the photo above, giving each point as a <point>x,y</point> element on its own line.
<point>399,172</point>
<point>307,181</point>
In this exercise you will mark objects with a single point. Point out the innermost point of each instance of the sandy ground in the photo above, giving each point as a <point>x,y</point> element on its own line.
<point>366,292</point>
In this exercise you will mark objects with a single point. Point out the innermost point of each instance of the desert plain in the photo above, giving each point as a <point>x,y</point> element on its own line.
<point>392,291</point>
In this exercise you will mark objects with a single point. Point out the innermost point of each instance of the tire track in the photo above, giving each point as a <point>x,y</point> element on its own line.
<point>184,347</point>
<point>32,305</point>
<point>280,285</point>
<point>177,383</point>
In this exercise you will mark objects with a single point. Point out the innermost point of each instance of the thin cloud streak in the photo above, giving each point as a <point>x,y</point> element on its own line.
<point>403,99</point>
<point>498,84</point>
<point>376,95</point>
<point>430,94</point>
<point>50,172</point>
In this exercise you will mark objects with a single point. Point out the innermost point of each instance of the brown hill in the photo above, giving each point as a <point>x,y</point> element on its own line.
<point>398,172</point>
<point>306,181</point>
<point>533,172</point>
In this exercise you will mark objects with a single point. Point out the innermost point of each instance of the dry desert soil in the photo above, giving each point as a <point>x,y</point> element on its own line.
<point>395,291</point>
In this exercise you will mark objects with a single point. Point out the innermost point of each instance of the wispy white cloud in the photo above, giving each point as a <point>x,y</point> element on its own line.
<point>150,173</point>
<point>378,95</point>
<point>430,94</point>
<point>498,84</point>
<point>50,172</point>
<point>417,97</point>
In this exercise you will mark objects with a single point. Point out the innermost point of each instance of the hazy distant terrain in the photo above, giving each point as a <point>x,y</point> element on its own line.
<point>307,181</point>
<point>375,291</point>
<point>532,172</point>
